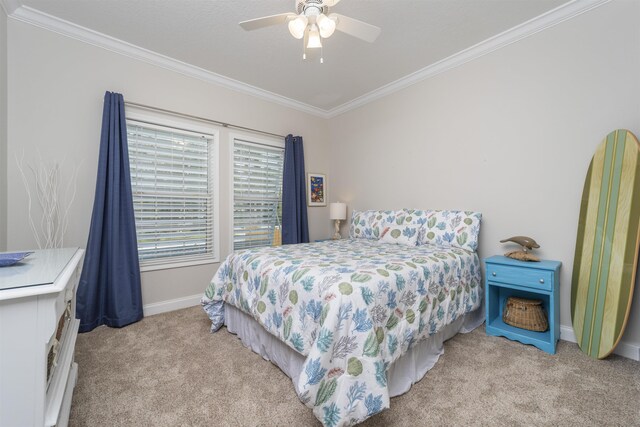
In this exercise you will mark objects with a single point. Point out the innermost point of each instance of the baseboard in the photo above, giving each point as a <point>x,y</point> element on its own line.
<point>624,349</point>
<point>171,305</point>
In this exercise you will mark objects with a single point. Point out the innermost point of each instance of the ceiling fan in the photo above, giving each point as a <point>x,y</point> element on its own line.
<point>313,23</point>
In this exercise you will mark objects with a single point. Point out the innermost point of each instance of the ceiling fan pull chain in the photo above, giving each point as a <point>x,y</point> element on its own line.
<point>304,43</point>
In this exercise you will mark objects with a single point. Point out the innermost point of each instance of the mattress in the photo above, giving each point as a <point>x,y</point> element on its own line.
<point>350,308</point>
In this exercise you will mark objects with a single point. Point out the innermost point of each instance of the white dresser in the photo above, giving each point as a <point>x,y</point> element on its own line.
<point>38,330</point>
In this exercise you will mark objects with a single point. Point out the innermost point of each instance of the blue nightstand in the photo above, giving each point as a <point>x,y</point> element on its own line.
<point>506,277</point>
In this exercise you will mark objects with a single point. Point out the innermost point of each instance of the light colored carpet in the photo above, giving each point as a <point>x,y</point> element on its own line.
<point>168,370</point>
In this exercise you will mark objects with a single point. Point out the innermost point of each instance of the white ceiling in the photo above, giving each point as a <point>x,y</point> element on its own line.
<point>205,33</point>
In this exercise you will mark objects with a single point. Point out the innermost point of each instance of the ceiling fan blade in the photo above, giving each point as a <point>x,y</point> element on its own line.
<point>267,21</point>
<point>355,28</point>
<point>330,3</point>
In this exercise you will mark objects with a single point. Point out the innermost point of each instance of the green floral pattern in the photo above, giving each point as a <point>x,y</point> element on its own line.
<point>405,234</point>
<point>371,224</point>
<point>351,307</point>
<point>457,229</point>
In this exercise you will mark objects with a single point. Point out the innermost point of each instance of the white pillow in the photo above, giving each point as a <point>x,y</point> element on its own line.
<point>447,228</point>
<point>406,234</point>
<point>370,224</point>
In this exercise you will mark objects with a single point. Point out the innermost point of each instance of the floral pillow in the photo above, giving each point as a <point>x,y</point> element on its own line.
<point>458,229</point>
<point>371,224</point>
<point>401,234</point>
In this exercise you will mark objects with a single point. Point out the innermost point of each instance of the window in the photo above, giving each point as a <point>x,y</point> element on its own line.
<point>257,192</point>
<point>174,183</point>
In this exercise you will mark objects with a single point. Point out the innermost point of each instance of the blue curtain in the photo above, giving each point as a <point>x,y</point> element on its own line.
<point>295,227</point>
<point>109,291</point>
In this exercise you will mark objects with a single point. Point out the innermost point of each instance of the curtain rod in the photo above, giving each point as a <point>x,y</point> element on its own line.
<point>202,119</point>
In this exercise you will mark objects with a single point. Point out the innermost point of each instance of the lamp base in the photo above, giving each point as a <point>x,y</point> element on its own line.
<point>336,235</point>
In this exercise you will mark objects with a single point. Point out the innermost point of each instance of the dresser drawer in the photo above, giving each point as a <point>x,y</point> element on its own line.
<point>68,293</point>
<point>529,277</point>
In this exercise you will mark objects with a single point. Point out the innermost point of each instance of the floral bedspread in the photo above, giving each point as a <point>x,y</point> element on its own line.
<point>351,307</point>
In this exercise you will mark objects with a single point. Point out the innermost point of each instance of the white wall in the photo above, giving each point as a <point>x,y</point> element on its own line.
<point>55,108</point>
<point>510,135</point>
<point>3,129</point>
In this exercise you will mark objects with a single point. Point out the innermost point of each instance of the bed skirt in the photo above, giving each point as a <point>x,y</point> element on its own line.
<point>401,374</point>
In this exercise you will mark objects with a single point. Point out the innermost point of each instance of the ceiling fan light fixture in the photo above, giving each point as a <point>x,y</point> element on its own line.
<point>297,26</point>
<point>314,38</point>
<point>326,25</point>
<point>312,22</point>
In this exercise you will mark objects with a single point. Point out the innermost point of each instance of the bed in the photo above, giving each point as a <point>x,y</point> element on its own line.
<point>354,322</point>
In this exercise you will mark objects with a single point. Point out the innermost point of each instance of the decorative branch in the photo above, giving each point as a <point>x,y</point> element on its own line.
<point>54,221</point>
<point>34,230</point>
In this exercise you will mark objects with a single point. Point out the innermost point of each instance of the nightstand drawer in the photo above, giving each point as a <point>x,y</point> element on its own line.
<point>529,277</point>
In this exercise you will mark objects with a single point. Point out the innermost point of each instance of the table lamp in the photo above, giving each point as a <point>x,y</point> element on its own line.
<point>337,212</point>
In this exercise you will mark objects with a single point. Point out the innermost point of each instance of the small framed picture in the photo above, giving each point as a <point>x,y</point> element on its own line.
<point>316,189</point>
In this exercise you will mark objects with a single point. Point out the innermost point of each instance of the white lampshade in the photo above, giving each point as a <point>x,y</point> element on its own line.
<point>327,25</point>
<point>297,26</point>
<point>338,211</point>
<point>314,38</point>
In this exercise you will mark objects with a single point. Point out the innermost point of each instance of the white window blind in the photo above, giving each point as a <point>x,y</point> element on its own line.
<point>172,182</point>
<point>257,194</point>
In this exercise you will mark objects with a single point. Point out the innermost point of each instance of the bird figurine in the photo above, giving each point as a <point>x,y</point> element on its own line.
<point>527,244</point>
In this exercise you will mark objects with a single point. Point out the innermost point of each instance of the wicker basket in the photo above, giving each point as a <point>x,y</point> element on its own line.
<point>526,314</point>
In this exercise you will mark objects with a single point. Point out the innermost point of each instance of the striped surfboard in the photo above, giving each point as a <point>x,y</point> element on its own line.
<point>604,267</point>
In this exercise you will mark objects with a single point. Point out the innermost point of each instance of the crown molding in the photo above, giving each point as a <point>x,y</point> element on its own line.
<point>9,6</point>
<point>519,32</point>
<point>549,19</point>
<point>52,23</point>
